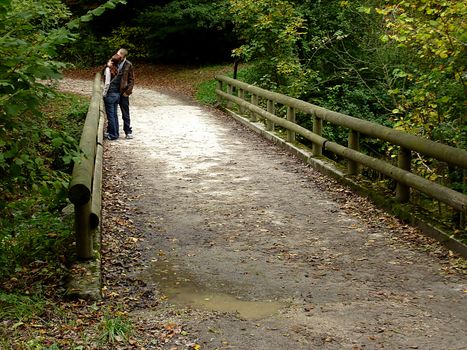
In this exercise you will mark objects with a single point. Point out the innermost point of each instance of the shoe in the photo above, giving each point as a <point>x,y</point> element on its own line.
<point>111,138</point>
<point>106,135</point>
<point>129,136</point>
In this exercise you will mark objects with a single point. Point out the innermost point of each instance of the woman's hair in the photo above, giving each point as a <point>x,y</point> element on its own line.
<point>113,64</point>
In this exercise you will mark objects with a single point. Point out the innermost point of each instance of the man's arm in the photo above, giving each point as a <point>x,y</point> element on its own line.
<point>131,80</point>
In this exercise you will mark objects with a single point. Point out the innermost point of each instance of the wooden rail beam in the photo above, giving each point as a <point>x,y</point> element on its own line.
<point>451,155</point>
<point>81,185</point>
<point>446,195</point>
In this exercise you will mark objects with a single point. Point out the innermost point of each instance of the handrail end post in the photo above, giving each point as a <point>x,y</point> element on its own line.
<point>84,242</point>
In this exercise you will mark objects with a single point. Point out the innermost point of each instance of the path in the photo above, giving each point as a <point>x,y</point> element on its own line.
<point>215,229</point>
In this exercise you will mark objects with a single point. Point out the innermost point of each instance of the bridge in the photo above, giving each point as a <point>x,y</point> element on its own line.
<point>207,223</point>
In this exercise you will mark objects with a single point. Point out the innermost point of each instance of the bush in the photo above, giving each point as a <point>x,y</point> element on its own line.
<point>31,227</point>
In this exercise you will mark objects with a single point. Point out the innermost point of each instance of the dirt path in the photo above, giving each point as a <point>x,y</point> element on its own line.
<point>218,239</point>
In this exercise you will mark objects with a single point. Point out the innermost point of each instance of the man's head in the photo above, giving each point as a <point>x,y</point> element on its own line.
<point>122,53</point>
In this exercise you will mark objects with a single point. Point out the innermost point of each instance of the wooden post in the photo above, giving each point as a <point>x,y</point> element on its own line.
<point>317,150</point>
<point>270,108</point>
<point>354,143</point>
<point>219,87</point>
<point>462,214</point>
<point>290,118</point>
<point>96,195</point>
<point>254,101</point>
<point>404,162</point>
<point>230,90</point>
<point>241,94</point>
<point>235,69</point>
<point>83,230</point>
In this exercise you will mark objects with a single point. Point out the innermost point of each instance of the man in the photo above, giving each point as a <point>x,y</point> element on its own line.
<point>125,70</point>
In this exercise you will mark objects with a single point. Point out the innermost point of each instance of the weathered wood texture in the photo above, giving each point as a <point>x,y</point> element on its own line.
<point>408,143</point>
<point>429,148</point>
<point>82,183</point>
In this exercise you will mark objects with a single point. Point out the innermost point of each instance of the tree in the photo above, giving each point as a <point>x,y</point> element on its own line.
<point>175,31</point>
<point>269,31</point>
<point>434,33</point>
<point>31,34</point>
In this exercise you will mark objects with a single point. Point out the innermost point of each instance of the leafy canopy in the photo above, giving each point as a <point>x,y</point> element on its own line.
<point>434,32</point>
<point>270,31</point>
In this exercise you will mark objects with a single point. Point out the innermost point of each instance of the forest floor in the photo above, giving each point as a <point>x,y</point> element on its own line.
<point>214,238</point>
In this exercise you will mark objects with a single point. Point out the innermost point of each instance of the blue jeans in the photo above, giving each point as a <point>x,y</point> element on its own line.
<point>125,108</point>
<point>111,103</point>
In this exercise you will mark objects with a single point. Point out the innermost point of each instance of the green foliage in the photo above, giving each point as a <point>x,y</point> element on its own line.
<point>270,31</point>
<point>96,12</point>
<point>38,141</point>
<point>434,34</point>
<point>34,153</point>
<point>37,154</point>
<point>29,44</point>
<point>89,50</point>
<point>92,49</point>
<point>131,38</point>
<point>32,233</point>
<point>320,46</point>
<point>206,92</point>
<point>114,329</point>
<point>174,31</point>
<point>396,63</point>
<point>30,225</point>
<point>20,307</point>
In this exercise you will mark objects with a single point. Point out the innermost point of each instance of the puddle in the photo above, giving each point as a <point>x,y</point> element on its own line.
<point>180,289</point>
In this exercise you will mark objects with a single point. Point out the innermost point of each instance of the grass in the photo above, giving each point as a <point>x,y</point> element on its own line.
<point>20,307</point>
<point>206,89</point>
<point>114,330</point>
<point>206,92</point>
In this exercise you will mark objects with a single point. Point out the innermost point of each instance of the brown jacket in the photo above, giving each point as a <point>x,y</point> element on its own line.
<point>128,78</point>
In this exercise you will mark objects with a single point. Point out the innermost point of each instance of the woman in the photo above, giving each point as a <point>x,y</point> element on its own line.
<point>112,96</point>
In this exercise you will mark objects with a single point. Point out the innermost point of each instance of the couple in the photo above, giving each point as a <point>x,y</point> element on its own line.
<point>119,80</point>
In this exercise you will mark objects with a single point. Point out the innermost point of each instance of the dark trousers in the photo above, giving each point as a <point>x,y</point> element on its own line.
<point>111,102</point>
<point>125,108</point>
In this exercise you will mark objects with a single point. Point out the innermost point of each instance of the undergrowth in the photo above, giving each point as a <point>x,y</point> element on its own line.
<point>36,238</point>
<point>206,90</point>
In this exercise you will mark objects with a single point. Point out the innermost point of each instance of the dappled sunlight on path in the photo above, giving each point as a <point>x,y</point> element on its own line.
<point>220,225</point>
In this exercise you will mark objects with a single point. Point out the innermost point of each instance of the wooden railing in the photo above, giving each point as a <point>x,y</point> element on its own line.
<point>407,143</point>
<point>86,184</point>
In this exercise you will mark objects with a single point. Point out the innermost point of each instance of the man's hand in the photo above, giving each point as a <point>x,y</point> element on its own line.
<point>125,94</point>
